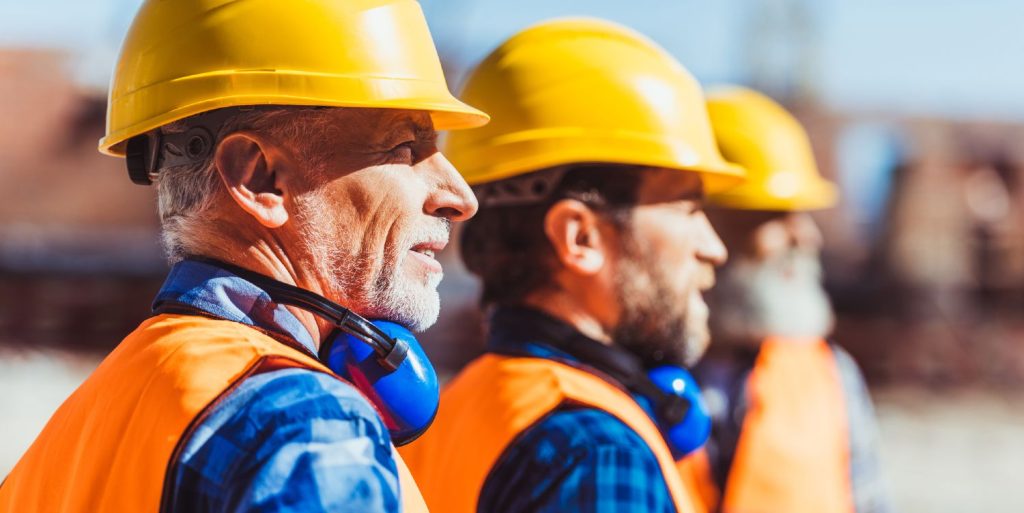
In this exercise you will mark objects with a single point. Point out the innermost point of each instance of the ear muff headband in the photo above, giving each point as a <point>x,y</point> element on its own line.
<point>391,353</point>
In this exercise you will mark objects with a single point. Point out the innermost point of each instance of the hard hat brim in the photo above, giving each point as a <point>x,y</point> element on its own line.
<point>447,112</point>
<point>819,195</point>
<point>538,150</point>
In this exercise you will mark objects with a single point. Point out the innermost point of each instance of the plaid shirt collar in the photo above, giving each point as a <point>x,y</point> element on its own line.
<point>206,287</point>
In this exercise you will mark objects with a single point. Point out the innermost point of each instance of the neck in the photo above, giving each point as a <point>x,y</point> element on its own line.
<point>271,260</point>
<point>566,308</point>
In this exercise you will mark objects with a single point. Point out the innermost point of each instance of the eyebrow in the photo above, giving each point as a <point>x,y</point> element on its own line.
<point>692,193</point>
<point>695,195</point>
<point>425,134</point>
<point>399,132</point>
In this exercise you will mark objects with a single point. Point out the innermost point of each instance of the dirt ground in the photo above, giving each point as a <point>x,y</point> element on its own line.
<point>32,385</point>
<point>954,451</point>
<point>944,452</point>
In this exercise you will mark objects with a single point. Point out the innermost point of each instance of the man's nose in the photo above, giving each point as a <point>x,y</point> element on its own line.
<point>450,196</point>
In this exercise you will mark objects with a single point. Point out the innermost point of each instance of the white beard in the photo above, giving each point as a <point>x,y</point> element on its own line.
<point>782,297</point>
<point>412,304</point>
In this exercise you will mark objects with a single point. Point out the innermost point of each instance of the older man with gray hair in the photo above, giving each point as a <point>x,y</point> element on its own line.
<point>794,428</point>
<point>301,194</point>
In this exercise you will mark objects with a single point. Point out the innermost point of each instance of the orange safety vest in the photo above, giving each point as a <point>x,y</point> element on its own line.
<point>793,453</point>
<point>494,400</point>
<point>695,471</point>
<point>112,446</point>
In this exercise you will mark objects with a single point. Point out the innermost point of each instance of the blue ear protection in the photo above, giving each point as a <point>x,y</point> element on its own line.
<point>382,359</point>
<point>406,394</point>
<point>683,417</point>
<point>672,398</point>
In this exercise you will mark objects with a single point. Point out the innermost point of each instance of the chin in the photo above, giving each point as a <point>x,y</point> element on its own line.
<point>696,348</point>
<point>425,314</point>
<point>415,309</point>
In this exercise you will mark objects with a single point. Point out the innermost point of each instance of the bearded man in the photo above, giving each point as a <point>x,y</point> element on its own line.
<point>301,194</point>
<point>593,251</point>
<point>793,429</point>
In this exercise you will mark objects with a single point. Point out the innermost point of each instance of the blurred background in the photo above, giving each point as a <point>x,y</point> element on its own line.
<point>915,108</point>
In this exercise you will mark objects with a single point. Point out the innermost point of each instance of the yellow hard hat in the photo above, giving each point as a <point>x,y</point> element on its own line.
<point>757,133</point>
<point>185,57</point>
<point>585,91</point>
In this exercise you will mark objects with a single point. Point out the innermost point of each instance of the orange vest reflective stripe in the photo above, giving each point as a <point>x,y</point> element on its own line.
<point>793,453</point>
<point>112,445</point>
<point>494,400</point>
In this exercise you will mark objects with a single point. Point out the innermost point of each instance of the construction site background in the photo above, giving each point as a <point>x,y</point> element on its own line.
<point>924,257</point>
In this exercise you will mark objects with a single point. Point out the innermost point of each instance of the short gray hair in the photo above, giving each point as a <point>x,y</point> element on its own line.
<point>185,193</point>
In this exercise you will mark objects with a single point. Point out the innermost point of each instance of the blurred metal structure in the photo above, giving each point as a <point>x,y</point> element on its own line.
<point>782,48</point>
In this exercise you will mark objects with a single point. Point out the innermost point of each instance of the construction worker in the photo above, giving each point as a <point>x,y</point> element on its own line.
<point>301,194</point>
<point>794,429</point>
<point>593,252</point>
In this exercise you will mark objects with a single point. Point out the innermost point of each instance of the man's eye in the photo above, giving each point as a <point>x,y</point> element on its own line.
<point>689,207</point>
<point>402,152</point>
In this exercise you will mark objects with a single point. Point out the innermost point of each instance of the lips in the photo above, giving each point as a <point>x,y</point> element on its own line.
<point>429,248</point>
<point>425,253</point>
<point>428,252</point>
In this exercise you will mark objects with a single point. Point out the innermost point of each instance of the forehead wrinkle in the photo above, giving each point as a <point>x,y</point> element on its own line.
<point>419,124</point>
<point>366,128</point>
<point>397,123</point>
<point>670,186</point>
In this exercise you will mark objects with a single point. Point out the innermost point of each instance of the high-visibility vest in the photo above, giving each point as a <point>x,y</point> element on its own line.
<point>695,471</point>
<point>113,445</point>
<point>493,401</point>
<point>793,451</point>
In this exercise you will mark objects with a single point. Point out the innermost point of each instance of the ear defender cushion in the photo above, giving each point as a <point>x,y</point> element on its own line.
<point>685,431</point>
<point>407,397</point>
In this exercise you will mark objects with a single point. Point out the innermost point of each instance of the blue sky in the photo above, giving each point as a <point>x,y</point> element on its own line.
<point>958,58</point>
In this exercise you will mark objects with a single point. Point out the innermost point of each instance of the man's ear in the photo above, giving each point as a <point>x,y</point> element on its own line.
<point>247,168</point>
<point>573,230</point>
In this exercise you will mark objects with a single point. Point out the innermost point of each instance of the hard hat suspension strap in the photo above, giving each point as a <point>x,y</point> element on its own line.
<point>148,153</point>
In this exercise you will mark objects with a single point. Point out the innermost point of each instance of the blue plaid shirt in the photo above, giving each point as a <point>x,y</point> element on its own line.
<point>286,441</point>
<point>575,460</point>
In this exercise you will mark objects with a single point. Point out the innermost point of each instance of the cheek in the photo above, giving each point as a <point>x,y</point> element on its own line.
<point>671,239</point>
<point>770,240</point>
<point>374,207</point>
<point>344,211</point>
